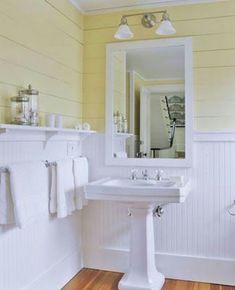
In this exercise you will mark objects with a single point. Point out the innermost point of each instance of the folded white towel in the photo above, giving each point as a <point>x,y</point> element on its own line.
<point>65,188</point>
<point>81,179</point>
<point>53,189</point>
<point>29,188</point>
<point>6,204</point>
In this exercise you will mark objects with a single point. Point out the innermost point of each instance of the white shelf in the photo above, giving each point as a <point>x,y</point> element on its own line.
<point>10,132</point>
<point>123,135</point>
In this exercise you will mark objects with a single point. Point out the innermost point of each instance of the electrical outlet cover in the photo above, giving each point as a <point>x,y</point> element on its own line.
<point>72,149</point>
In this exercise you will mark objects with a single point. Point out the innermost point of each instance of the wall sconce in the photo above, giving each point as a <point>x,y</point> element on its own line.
<point>148,21</point>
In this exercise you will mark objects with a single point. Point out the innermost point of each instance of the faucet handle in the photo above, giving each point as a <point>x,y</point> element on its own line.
<point>145,174</point>
<point>133,174</point>
<point>160,174</point>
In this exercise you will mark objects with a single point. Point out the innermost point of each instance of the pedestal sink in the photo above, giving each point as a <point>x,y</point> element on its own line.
<point>141,197</point>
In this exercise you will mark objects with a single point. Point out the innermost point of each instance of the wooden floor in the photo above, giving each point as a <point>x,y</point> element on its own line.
<point>88,279</point>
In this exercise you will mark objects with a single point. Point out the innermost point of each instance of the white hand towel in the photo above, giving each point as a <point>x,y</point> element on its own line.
<point>6,203</point>
<point>65,188</point>
<point>29,188</point>
<point>53,189</point>
<point>81,179</point>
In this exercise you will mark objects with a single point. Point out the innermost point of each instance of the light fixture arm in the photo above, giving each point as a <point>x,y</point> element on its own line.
<point>144,13</point>
<point>123,20</point>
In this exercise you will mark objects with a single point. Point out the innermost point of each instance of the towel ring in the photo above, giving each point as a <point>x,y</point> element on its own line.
<point>230,211</point>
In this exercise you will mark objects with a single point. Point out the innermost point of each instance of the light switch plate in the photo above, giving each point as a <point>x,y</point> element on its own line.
<point>72,149</point>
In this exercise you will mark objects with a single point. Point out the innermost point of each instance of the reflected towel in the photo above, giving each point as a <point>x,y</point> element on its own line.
<point>29,188</point>
<point>81,179</point>
<point>65,188</point>
<point>6,204</point>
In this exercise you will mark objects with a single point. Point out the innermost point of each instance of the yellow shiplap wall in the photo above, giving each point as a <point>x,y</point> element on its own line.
<point>212,27</point>
<point>119,82</point>
<point>41,43</point>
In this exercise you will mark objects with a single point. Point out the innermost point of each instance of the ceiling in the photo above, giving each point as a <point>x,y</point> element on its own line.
<point>100,6</point>
<point>157,63</point>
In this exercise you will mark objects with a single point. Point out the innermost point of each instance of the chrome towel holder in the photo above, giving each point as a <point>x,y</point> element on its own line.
<point>4,170</point>
<point>231,209</point>
<point>47,164</point>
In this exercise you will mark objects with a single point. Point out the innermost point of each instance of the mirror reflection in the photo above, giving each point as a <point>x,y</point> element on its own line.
<point>149,102</point>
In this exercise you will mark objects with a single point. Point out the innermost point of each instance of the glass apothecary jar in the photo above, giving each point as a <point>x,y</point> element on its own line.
<point>32,94</point>
<point>20,110</point>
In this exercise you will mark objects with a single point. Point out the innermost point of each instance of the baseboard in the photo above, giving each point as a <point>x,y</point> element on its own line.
<point>192,268</point>
<point>58,274</point>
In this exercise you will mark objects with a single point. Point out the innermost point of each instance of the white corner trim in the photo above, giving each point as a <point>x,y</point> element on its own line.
<point>58,274</point>
<point>76,4</point>
<point>147,4</point>
<point>191,268</point>
<point>214,136</point>
<point>164,88</point>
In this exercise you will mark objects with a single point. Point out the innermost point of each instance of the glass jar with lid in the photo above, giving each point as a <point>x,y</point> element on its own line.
<point>20,110</point>
<point>32,94</point>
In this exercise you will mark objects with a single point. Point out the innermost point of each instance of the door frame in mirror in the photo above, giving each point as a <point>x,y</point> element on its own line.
<point>155,162</point>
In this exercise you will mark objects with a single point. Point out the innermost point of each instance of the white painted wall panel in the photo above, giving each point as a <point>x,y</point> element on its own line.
<point>44,255</point>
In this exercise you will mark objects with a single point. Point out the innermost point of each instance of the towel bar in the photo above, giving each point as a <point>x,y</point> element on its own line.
<point>3,170</point>
<point>47,164</point>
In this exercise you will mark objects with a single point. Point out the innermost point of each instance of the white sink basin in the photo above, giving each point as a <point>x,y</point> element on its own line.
<point>140,190</point>
<point>141,196</point>
<point>138,182</point>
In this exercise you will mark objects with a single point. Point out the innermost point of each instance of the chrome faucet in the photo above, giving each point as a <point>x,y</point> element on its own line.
<point>133,174</point>
<point>145,174</point>
<point>159,174</point>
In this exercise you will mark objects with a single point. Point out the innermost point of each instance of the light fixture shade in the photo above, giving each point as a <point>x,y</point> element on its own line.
<point>165,27</point>
<point>123,31</point>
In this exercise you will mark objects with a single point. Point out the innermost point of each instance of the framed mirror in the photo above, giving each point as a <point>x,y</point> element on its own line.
<point>149,103</point>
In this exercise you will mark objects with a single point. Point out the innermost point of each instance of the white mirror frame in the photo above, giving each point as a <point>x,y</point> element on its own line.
<point>158,162</point>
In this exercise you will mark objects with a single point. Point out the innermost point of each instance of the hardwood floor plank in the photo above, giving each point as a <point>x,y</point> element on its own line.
<point>82,280</point>
<point>91,279</point>
<point>215,287</point>
<point>184,285</point>
<point>169,284</point>
<point>203,286</point>
<point>228,288</point>
<point>104,281</point>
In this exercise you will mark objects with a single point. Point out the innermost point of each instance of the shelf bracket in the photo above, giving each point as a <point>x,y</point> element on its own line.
<point>82,137</point>
<point>3,130</point>
<point>49,135</point>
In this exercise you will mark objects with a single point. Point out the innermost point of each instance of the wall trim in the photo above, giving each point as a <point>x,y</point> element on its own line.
<point>58,274</point>
<point>76,4</point>
<point>191,268</point>
<point>214,136</point>
<point>146,5</point>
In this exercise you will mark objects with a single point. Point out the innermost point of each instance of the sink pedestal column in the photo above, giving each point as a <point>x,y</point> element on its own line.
<point>142,273</point>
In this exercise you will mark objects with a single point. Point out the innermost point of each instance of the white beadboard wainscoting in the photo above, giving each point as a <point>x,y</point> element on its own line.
<point>47,254</point>
<point>194,240</point>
